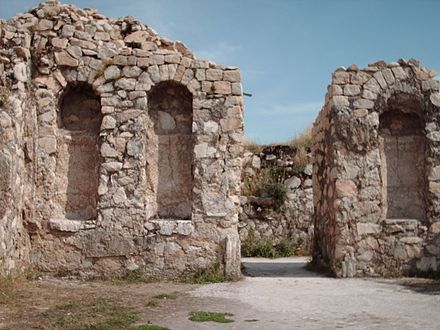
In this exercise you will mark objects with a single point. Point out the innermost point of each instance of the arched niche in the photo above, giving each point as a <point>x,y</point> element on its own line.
<point>78,153</point>
<point>171,150</point>
<point>401,131</point>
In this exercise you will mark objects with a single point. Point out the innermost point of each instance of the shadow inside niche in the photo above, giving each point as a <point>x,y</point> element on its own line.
<point>78,152</point>
<point>281,267</point>
<point>170,108</point>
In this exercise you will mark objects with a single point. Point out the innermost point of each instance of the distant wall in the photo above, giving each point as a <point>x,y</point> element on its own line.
<point>277,201</point>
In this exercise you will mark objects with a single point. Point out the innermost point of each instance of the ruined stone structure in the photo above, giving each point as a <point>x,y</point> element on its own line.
<point>263,216</point>
<point>121,151</point>
<point>118,149</point>
<point>376,176</point>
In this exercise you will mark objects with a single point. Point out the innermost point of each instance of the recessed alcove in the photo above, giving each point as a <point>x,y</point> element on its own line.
<point>170,110</point>
<point>403,164</point>
<point>78,153</point>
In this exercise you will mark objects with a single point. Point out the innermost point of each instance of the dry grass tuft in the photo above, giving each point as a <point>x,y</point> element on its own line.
<point>252,146</point>
<point>302,141</point>
<point>10,284</point>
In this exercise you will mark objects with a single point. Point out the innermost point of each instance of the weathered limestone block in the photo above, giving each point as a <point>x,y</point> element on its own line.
<point>341,78</point>
<point>21,72</point>
<point>214,74</point>
<point>112,73</point>
<point>64,59</point>
<point>136,37</point>
<point>126,83</point>
<point>44,25</point>
<point>75,51</point>
<point>237,89</point>
<point>232,75</point>
<point>48,144</point>
<point>222,87</point>
<point>230,124</point>
<point>108,151</point>
<point>435,228</point>
<point>368,228</point>
<point>345,188</point>
<point>134,148</point>
<point>363,104</point>
<point>131,71</point>
<point>339,102</point>
<point>232,256</point>
<point>70,225</point>
<point>351,90</point>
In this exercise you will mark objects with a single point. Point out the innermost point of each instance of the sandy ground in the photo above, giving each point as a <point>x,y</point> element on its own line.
<point>275,294</point>
<point>283,295</point>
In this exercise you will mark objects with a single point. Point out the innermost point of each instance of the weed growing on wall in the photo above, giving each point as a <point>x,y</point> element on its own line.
<point>268,182</point>
<point>251,247</point>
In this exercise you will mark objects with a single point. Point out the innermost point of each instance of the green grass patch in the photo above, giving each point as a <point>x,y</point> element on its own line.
<point>212,274</point>
<point>251,247</point>
<point>131,276</point>
<point>201,316</point>
<point>149,327</point>
<point>69,306</point>
<point>98,314</point>
<point>165,296</point>
<point>251,320</point>
<point>138,276</point>
<point>152,304</point>
<point>119,318</point>
<point>32,273</point>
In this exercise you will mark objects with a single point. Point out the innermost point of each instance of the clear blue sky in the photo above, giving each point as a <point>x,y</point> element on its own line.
<point>286,49</point>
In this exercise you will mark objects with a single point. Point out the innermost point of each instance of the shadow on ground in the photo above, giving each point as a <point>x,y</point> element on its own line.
<point>420,285</point>
<point>281,267</point>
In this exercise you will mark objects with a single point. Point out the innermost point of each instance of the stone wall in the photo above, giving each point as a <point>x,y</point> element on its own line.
<point>98,139</point>
<point>15,173</point>
<point>277,201</point>
<point>375,171</point>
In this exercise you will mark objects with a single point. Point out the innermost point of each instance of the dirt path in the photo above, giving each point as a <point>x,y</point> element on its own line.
<point>289,297</point>
<point>281,295</point>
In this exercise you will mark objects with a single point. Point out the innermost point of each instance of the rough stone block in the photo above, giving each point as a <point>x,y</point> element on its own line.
<point>222,87</point>
<point>232,75</point>
<point>214,74</point>
<point>345,188</point>
<point>112,72</point>
<point>64,59</point>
